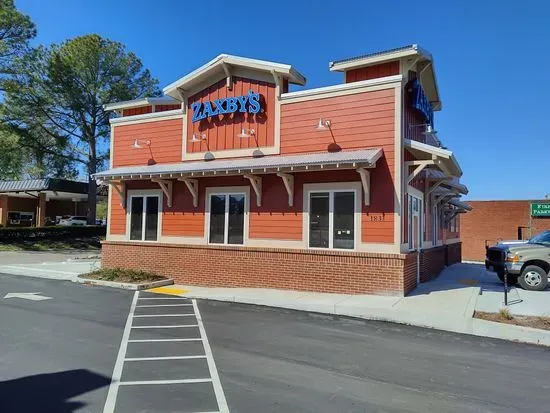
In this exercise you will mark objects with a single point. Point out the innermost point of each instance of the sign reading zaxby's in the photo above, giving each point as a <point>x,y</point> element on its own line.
<point>247,103</point>
<point>540,209</point>
<point>420,102</point>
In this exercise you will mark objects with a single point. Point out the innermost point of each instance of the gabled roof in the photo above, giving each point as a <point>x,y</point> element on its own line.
<point>225,61</point>
<point>164,100</point>
<point>426,67</point>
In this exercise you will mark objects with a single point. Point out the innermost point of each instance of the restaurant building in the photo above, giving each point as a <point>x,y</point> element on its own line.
<point>231,179</point>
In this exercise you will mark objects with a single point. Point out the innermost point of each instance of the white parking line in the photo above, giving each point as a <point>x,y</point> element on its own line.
<point>218,390</point>
<point>117,371</point>
<point>164,298</point>
<point>162,340</point>
<point>166,305</point>
<point>175,326</point>
<point>182,381</point>
<point>164,358</point>
<point>164,315</point>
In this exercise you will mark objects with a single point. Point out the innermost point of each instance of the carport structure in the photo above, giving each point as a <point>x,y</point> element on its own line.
<point>30,202</point>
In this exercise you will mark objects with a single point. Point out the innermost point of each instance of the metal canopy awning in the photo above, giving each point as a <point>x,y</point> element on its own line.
<point>250,168</point>
<point>268,164</point>
<point>445,181</point>
<point>429,155</point>
<point>461,206</point>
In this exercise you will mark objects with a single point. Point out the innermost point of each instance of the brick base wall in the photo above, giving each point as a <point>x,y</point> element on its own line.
<point>454,253</point>
<point>304,270</point>
<point>432,262</point>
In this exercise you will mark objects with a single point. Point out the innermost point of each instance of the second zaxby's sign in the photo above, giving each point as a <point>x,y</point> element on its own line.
<point>247,103</point>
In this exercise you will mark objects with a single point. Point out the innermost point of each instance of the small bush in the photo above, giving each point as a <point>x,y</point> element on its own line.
<point>11,234</point>
<point>505,314</point>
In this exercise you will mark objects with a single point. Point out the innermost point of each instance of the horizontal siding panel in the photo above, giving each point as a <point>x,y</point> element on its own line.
<point>165,137</point>
<point>344,99</point>
<point>373,105</point>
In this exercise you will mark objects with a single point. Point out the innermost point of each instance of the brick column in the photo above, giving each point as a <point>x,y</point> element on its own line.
<point>41,215</point>
<point>3,210</point>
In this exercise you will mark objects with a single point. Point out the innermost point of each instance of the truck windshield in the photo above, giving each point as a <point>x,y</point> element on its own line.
<point>542,238</point>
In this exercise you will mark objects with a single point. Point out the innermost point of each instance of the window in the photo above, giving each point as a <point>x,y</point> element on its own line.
<point>332,219</point>
<point>227,214</point>
<point>144,217</point>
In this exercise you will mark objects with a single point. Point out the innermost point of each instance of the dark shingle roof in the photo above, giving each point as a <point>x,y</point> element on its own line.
<point>381,52</point>
<point>46,184</point>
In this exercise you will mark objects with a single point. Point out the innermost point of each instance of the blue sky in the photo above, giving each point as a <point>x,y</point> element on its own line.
<point>491,59</point>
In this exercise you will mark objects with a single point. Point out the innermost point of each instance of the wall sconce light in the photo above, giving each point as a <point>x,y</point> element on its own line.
<point>323,124</point>
<point>200,137</point>
<point>246,133</point>
<point>137,143</point>
<point>429,130</point>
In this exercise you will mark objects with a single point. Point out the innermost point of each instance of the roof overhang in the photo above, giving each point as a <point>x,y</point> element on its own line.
<point>262,165</point>
<point>165,100</point>
<point>461,206</point>
<point>444,159</point>
<point>446,181</point>
<point>425,67</point>
<point>222,64</point>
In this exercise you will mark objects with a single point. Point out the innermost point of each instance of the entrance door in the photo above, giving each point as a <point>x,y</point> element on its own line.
<point>415,222</point>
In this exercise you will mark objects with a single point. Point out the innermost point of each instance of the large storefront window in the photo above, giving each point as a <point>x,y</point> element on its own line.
<point>227,219</point>
<point>332,219</point>
<point>144,216</point>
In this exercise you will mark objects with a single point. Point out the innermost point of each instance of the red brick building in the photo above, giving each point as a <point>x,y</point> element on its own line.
<point>491,221</point>
<point>231,179</point>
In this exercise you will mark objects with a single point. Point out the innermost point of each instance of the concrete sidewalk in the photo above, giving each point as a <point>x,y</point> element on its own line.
<point>446,303</point>
<point>55,265</point>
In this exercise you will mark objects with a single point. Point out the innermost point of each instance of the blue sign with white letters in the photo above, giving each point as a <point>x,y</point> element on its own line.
<point>421,103</point>
<point>247,103</point>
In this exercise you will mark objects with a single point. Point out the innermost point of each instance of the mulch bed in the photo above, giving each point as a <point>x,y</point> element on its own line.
<point>542,323</point>
<point>123,275</point>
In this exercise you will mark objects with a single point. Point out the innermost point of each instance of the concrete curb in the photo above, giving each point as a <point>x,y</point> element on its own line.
<point>124,286</point>
<point>462,325</point>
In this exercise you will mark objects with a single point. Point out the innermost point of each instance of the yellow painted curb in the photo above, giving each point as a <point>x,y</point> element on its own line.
<point>168,290</point>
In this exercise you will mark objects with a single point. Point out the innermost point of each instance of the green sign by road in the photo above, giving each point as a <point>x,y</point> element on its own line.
<point>540,209</point>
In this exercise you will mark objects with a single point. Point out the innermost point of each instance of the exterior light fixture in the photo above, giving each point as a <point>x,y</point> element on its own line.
<point>246,133</point>
<point>429,130</point>
<point>323,124</point>
<point>137,144</point>
<point>198,138</point>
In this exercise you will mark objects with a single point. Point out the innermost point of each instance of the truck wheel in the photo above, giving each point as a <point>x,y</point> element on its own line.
<point>512,278</point>
<point>533,278</point>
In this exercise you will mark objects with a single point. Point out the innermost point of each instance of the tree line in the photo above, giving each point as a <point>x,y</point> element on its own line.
<point>52,120</point>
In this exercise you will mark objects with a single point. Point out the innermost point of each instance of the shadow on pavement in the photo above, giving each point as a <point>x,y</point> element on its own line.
<point>49,393</point>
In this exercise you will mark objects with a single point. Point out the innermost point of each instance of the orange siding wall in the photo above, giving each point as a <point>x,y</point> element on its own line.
<point>164,108</point>
<point>358,121</point>
<point>165,137</point>
<point>222,130</point>
<point>117,215</point>
<point>274,219</point>
<point>372,72</point>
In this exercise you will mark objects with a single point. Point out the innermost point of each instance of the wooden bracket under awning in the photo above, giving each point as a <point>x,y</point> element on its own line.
<point>256,183</point>
<point>288,181</point>
<point>365,181</point>
<point>420,165</point>
<point>120,187</point>
<point>193,187</point>
<point>166,186</point>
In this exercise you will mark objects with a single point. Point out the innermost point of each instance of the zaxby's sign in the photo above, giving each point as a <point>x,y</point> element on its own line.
<point>247,103</point>
<point>421,103</point>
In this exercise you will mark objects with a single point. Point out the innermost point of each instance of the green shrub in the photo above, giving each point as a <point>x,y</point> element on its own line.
<point>58,232</point>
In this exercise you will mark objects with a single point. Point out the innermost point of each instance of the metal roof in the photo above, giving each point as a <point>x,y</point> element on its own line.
<point>460,204</point>
<point>378,53</point>
<point>45,184</point>
<point>451,181</point>
<point>245,165</point>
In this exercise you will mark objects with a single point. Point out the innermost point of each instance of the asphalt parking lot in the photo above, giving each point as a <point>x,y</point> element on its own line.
<point>90,349</point>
